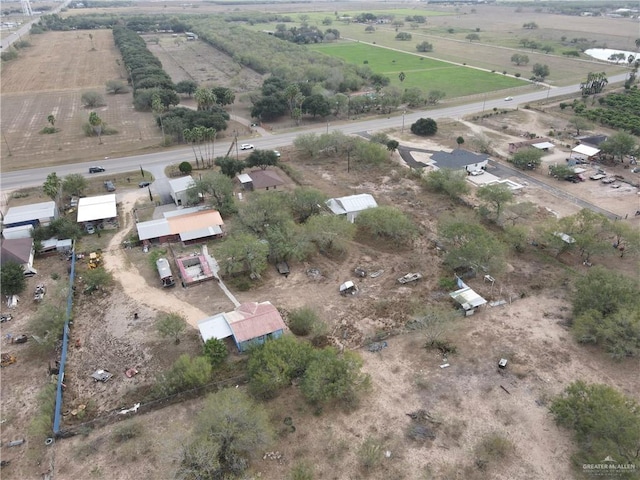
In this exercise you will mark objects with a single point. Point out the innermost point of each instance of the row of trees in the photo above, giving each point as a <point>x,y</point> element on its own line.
<point>148,79</point>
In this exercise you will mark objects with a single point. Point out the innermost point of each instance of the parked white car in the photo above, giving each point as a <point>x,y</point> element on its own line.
<point>508,99</point>
<point>246,146</point>
<point>475,173</point>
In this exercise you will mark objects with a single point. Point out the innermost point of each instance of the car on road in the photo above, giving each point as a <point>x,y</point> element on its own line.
<point>246,146</point>
<point>508,99</point>
<point>96,169</point>
<point>144,183</point>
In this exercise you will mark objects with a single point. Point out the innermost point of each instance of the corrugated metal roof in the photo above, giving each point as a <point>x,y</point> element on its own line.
<point>467,297</point>
<point>180,184</point>
<point>97,208</point>
<point>244,178</point>
<point>201,233</point>
<point>543,145</point>
<point>252,320</point>
<point>34,211</point>
<point>195,221</point>
<point>585,150</point>
<point>214,327</point>
<point>351,204</point>
<point>153,229</point>
<point>182,211</point>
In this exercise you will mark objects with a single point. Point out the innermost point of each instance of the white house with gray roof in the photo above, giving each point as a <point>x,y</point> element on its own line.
<point>352,205</point>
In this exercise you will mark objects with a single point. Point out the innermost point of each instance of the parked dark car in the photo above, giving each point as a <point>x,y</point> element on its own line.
<point>96,169</point>
<point>109,186</point>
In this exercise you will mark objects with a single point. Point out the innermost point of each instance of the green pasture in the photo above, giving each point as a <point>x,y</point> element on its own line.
<point>420,72</point>
<point>316,18</point>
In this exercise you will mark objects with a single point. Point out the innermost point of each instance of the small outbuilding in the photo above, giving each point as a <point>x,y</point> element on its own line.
<point>515,147</point>
<point>35,214</point>
<point>250,324</point>
<point>468,299</point>
<point>352,205</point>
<point>178,189</point>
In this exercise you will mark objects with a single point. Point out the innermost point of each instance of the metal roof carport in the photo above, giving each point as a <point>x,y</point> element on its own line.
<point>97,208</point>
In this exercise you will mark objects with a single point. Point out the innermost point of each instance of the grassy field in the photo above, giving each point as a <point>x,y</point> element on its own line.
<point>420,72</point>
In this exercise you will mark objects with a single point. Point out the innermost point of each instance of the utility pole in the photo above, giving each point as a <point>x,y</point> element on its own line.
<point>7,143</point>
<point>403,112</point>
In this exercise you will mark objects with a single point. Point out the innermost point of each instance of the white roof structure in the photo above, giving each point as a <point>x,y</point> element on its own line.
<point>97,208</point>
<point>26,213</point>
<point>244,178</point>
<point>181,184</point>
<point>153,229</point>
<point>467,298</point>
<point>214,327</point>
<point>22,231</point>
<point>351,204</point>
<point>543,145</point>
<point>585,150</point>
<point>201,233</point>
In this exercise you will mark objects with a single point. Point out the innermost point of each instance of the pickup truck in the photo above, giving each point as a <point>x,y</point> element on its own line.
<point>410,277</point>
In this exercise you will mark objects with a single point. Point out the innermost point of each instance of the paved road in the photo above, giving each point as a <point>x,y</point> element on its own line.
<point>156,162</point>
<point>24,28</point>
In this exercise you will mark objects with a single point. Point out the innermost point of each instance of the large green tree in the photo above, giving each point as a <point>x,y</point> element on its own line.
<point>619,144</point>
<point>273,365</point>
<point>449,182</point>
<point>74,184</point>
<point>605,423</point>
<point>424,127</point>
<point>306,202</point>
<point>469,244</point>
<point>243,253</point>
<point>12,281</point>
<point>333,378</point>
<point>263,211</point>
<point>579,123</point>
<point>262,159</point>
<point>230,430</point>
<point>595,83</point>
<point>187,86</point>
<point>330,233</point>
<point>527,158</point>
<point>387,223</point>
<point>496,196</point>
<point>96,124</point>
<point>230,166</point>
<point>217,190</point>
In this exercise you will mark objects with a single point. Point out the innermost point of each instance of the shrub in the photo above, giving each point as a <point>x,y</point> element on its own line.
<point>424,127</point>
<point>9,55</point>
<point>491,448</point>
<point>186,373</point>
<point>185,167</point>
<point>303,320</point>
<point>370,453</point>
<point>127,431</point>
<point>387,223</point>
<point>216,351</point>
<point>92,99</point>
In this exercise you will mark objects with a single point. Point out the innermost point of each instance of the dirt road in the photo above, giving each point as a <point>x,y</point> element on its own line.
<point>134,284</point>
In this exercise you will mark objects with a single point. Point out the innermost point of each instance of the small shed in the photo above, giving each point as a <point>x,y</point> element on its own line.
<point>178,189</point>
<point>544,146</point>
<point>468,299</point>
<point>352,205</point>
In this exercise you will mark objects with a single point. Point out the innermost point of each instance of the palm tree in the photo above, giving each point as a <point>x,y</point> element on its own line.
<point>96,123</point>
<point>52,120</point>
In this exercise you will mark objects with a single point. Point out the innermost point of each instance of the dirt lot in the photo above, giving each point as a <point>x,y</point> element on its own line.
<point>39,84</point>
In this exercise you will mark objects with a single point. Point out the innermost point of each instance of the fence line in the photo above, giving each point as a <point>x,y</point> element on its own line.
<point>65,344</point>
<point>117,415</point>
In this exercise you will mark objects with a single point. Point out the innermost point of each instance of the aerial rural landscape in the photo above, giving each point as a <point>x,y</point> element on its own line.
<point>320,240</point>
